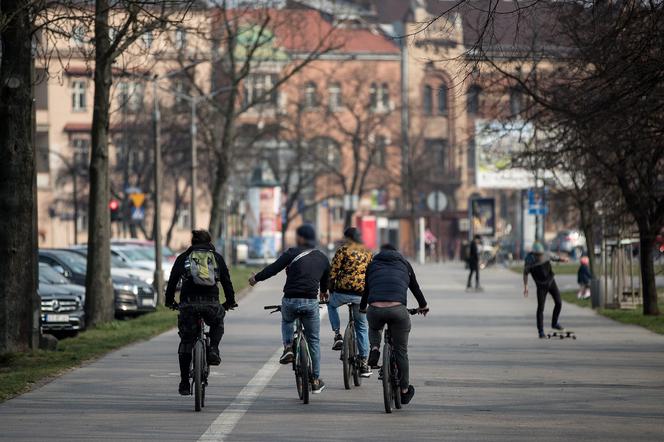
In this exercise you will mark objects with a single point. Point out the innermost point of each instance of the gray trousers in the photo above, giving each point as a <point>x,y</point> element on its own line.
<point>398,320</point>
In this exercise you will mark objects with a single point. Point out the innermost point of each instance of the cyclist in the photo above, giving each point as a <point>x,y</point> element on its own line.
<point>538,264</point>
<point>389,276</point>
<point>347,276</point>
<point>199,297</point>
<point>307,271</point>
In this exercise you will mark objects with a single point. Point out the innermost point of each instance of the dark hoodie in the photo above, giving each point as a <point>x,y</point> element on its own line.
<point>388,278</point>
<point>191,289</point>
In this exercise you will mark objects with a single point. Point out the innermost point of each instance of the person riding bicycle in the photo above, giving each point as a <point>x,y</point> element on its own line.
<point>200,268</point>
<point>307,271</point>
<point>347,277</point>
<point>388,278</point>
<point>538,264</point>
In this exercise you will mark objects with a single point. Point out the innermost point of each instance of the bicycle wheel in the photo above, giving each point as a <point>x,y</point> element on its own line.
<point>387,378</point>
<point>396,385</point>
<point>199,354</point>
<point>346,355</point>
<point>297,369</point>
<point>355,359</point>
<point>305,370</point>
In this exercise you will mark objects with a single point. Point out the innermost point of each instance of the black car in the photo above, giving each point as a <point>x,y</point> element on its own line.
<point>62,303</point>
<point>131,296</point>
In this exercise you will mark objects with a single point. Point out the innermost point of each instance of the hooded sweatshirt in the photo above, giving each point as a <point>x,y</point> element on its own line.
<point>388,278</point>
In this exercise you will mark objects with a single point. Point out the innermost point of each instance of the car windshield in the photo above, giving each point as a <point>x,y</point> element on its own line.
<point>49,276</point>
<point>133,253</point>
<point>116,262</point>
<point>73,260</point>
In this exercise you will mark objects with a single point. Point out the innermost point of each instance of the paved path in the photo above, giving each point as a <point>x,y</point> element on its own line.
<point>479,370</point>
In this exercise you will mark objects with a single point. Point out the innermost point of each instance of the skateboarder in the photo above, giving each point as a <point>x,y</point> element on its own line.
<point>538,264</point>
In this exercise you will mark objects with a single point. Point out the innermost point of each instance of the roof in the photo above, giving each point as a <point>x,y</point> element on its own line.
<point>308,30</point>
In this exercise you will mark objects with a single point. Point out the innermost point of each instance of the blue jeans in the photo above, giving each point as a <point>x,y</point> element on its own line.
<point>361,326</point>
<point>307,311</point>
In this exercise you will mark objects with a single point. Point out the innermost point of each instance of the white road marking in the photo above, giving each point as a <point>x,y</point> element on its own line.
<point>224,424</point>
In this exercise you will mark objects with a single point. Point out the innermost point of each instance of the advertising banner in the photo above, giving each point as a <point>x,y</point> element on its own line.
<point>483,216</point>
<point>264,222</point>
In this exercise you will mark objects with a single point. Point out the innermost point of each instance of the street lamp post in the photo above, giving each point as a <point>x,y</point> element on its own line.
<point>194,164</point>
<point>158,272</point>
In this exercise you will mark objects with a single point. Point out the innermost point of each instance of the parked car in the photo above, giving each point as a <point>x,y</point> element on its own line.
<point>62,303</point>
<point>131,295</point>
<point>140,257</point>
<point>572,242</point>
<point>166,252</point>
<point>120,267</point>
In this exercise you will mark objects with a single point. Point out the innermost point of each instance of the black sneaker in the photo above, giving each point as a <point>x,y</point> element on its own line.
<point>374,356</point>
<point>338,342</point>
<point>184,389</point>
<point>317,386</point>
<point>286,356</point>
<point>541,334</point>
<point>406,397</point>
<point>558,327</point>
<point>213,357</point>
<point>365,371</point>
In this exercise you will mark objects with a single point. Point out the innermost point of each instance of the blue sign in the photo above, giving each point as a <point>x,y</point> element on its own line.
<point>137,213</point>
<point>537,201</point>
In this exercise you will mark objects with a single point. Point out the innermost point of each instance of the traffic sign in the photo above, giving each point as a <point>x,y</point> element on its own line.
<point>137,199</point>
<point>537,201</point>
<point>137,213</point>
<point>437,201</point>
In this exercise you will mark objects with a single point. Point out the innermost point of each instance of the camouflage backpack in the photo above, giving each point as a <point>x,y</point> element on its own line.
<point>201,267</point>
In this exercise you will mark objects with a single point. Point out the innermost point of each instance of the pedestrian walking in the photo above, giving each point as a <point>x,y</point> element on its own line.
<point>538,264</point>
<point>474,263</point>
<point>583,277</point>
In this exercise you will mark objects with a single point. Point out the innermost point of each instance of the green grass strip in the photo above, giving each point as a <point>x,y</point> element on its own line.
<point>20,371</point>
<point>632,317</point>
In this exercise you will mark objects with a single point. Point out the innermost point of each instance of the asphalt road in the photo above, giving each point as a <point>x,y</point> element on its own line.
<point>478,367</point>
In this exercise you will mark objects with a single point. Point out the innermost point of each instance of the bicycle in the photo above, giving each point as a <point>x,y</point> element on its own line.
<point>349,356</point>
<point>302,366</point>
<point>199,369</point>
<point>390,372</point>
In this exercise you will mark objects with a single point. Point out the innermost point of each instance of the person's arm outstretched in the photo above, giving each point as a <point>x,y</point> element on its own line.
<point>176,274</point>
<point>272,269</point>
<point>414,287</point>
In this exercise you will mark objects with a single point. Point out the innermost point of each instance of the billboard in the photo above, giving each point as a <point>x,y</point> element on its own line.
<point>495,144</point>
<point>264,222</point>
<point>483,216</point>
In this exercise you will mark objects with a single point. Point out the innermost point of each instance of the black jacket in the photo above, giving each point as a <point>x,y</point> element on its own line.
<point>540,268</point>
<point>191,289</point>
<point>474,255</point>
<point>389,276</point>
<point>584,276</point>
<point>304,277</point>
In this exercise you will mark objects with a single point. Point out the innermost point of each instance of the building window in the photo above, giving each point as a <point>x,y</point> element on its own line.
<point>259,88</point>
<point>335,102</point>
<point>184,219</point>
<point>328,151</point>
<point>310,95</point>
<point>81,148</point>
<point>148,39</point>
<point>516,102</point>
<point>78,35</point>
<point>442,99</point>
<point>427,100</point>
<point>180,39</point>
<point>78,95</point>
<point>41,89</point>
<point>473,99</point>
<point>381,151</point>
<point>130,94</point>
<point>471,153</point>
<point>379,97</point>
<point>41,144</point>
<point>436,153</point>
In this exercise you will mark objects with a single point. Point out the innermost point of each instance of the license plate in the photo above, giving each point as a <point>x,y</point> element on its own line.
<point>57,318</point>
<point>147,302</point>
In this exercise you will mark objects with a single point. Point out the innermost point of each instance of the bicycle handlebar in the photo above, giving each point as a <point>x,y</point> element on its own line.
<point>414,311</point>
<point>276,308</point>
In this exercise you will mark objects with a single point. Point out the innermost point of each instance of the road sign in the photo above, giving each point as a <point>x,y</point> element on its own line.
<point>437,201</point>
<point>137,199</point>
<point>537,201</point>
<point>137,213</point>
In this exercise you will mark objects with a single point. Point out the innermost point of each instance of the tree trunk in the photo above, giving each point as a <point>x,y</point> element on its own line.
<point>99,302</point>
<point>18,184</point>
<point>586,216</point>
<point>648,286</point>
<point>221,177</point>
<point>348,218</point>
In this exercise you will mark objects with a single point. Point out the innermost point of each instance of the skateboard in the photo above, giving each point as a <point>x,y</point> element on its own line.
<point>561,334</point>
